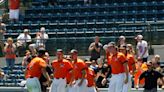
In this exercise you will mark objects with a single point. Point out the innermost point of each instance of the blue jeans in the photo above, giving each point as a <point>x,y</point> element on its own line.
<point>10,62</point>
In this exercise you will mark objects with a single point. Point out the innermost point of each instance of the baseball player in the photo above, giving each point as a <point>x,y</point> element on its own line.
<point>131,64</point>
<point>61,67</point>
<point>91,87</point>
<point>79,73</point>
<point>119,67</point>
<point>35,68</point>
<point>69,78</point>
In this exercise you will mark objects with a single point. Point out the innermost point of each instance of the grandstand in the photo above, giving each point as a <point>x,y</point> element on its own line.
<point>78,21</point>
<point>72,21</point>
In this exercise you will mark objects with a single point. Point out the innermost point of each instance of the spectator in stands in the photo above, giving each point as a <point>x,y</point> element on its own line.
<point>41,38</point>
<point>102,75</point>
<point>156,63</point>
<point>95,49</point>
<point>151,76</point>
<point>2,31</point>
<point>23,40</point>
<point>10,54</point>
<point>142,48</point>
<point>47,57</point>
<point>121,41</point>
<point>130,49</point>
<point>27,55</point>
<point>95,66</point>
<point>14,10</point>
<point>107,52</point>
<point>33,47</point>
<point>140,68</point>
<point>1,74</point>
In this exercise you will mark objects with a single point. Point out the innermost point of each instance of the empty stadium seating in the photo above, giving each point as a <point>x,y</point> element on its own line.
<point>14,76</point>
<point>73,16</point>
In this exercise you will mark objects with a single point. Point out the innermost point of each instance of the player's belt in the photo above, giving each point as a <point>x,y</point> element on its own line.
<point>31,77</point>
<point>89,86</point>
<point>59,78</point>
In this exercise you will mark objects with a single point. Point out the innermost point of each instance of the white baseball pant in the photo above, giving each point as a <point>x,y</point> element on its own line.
<point>127,87</point>
<point>116,83</point>
<point>82,88</point>
<point>14,14</point>
<point>91,89</point>
<point>33,85</point>
<point>69,88</point>
<point>58,85</point>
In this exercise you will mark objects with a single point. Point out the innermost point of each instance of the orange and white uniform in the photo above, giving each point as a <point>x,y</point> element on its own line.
<point>90,78</point>
<point>118,73</point>
<point>78,67</point>
<point>131,62</point>
<point>34,71</point>
<point>68,79</point>
<point>60,71</point>
<point>14,9</point>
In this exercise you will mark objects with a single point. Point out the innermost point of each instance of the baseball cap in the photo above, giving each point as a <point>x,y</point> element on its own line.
<point>59,50</point>
<point>122,37</point>
<point>111,44</point>
<point>26,30</point>
<point>42,29</point>
<point>73,51</point>
<point>139,37</point>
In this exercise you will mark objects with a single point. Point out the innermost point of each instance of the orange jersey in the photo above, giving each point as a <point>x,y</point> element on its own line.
<point>78,66</point>
<point>90,77</point>
<point>61,68</point>
<point>131,61</point>
<point>14,4</point>
<point>107,55</point>
<point>68,77</point>
<point>116,62</point>
<point>34,68</point>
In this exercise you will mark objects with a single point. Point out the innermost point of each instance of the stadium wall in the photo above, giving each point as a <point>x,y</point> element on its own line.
<point>22,89</point>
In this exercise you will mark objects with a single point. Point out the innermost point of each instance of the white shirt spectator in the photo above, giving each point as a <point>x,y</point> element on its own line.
<point>43,38</point>
<point>43,35</point>
<point>24,38</point>
<point>141,48</point>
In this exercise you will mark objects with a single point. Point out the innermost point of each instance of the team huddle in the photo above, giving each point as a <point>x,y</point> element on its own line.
<point>71,74</point>
<point>74,76</point>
